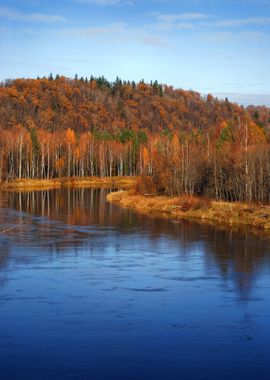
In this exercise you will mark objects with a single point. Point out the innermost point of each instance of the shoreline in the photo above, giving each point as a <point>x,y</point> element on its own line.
<point>199,210</point>
<point>222,214</point>
<point>67,182</point>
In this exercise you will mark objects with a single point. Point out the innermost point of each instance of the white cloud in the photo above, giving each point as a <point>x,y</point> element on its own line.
<point>195,21</point>
<point>96,31</point>
<point>238,22</point>
<point>121,33</point>
<point>245,99</point>
<point>4,30</point>
<point>202,22</point>
<point>181,17</point>
<point>106,3</point>
<point>183,21</point>
<point>13,15</point>
<point>156,41</point>
<point>99,2</point>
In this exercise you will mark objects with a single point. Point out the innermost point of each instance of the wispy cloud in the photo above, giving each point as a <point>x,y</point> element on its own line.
<point>101,2</point>
<point>156,41</point>
<point>183,21</point>
<point>121,33</point>
<point>107,3</point>
<point>244,98</point>
<point>39,65</point>
<point>13,15</point>
<point>238,22</point>
<point>181,17</point>
<point>4,30</point>
<point>195,21</point>
<point>109,30</point>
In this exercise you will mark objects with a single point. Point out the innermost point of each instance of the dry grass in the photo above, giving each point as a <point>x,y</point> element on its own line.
<point>132,199</point>
<point>31,184</point>
<point>124,182</point>
<point>73,182</point>
<point>189,202</point>
<point>145,185</point>
<point>188,207</point>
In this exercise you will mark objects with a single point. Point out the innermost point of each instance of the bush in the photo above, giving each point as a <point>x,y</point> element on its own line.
<point>189,202</point>
<point>145,185</point>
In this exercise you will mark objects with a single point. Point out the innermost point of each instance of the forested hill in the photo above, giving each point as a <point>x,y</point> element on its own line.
<point>98,105</point>
<point>186,143</point>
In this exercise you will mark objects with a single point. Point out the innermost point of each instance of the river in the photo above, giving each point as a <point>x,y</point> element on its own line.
<point>89,290</point>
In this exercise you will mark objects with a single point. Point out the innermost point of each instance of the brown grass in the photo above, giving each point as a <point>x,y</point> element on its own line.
<point>189,207</point>
<point>124,182</point>
<point>145,185</point>
<point>72,182</point>
<point>31,184</point>
<point>189,202</point>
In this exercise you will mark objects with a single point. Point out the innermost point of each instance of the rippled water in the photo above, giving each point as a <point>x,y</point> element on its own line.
<point>92,291</point>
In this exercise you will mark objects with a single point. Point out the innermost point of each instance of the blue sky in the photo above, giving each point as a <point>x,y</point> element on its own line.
<point>211,46</point>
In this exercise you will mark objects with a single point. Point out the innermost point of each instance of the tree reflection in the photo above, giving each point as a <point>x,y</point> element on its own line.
<point>58,219</point>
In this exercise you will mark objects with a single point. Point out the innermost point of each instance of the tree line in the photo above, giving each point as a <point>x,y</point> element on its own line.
<point>178,141</point>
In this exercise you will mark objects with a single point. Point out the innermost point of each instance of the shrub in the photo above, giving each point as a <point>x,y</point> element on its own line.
<point>189,202</point>
<point>145,185</point>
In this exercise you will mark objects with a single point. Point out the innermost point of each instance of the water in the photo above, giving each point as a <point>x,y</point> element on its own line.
<point>92,291</point>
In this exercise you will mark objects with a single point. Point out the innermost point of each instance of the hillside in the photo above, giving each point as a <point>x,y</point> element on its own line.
<point>186,142</point>
<point>98,105</point>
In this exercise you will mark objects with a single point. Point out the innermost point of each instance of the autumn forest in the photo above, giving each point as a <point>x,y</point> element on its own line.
<point>177,141</point>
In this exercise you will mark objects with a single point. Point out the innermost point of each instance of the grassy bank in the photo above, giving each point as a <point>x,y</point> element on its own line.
<point>192,208</point>
<point>72,182</point>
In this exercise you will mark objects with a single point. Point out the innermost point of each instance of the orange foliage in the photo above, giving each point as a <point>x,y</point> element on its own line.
<point>186,142</point>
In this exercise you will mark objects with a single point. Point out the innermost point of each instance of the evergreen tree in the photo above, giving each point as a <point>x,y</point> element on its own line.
<point>34,141</point>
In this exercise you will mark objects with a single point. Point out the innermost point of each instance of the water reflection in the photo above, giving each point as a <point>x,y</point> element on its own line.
<point>59,219</point>
<point>91,290</point>
<point>4,251</point>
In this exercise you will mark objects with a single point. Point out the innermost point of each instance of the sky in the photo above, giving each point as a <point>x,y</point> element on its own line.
<point>210,46</point>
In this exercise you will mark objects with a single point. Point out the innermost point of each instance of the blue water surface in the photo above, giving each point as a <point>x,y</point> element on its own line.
<point>92,291</point>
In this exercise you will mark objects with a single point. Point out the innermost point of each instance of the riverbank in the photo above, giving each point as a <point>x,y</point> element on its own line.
<point>198,209</point>
<point>72,182</point>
